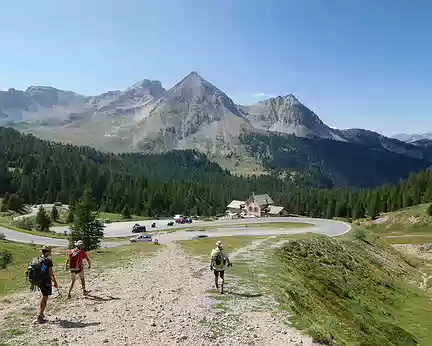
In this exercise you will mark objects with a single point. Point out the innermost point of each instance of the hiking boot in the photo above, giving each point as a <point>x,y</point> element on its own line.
<point>41,319</point>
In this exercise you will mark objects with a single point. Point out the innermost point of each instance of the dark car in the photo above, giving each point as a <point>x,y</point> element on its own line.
<point>153,224</point>
<point>199,237</point>
<point>170,223</point>
<point>138,229</point>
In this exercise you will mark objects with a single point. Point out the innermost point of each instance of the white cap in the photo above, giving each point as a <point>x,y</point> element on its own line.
<point>219,243</point>
<point>79,243</point>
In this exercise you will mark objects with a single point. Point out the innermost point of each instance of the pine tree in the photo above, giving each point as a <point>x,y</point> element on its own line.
<point>86,226</point>
<point>54,213</point>
<point>5,202</point>
<point>126,214</point>
<point>15,202</point>
<point>70,217</point>
<point>329,213</point>
<point>43,222</point>
<point>372,210</point>
<point>358,211</point>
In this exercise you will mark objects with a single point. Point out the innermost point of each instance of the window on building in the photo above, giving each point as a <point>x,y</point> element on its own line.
<point>250,209</point>
<point>256,210</point>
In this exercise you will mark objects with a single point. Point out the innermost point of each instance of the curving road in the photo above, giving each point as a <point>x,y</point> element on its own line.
<point>219,228</point>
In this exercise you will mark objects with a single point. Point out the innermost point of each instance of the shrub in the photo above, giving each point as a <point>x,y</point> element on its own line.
<point>429,210</point>
<point>24,223</point>
<point>5,258</point>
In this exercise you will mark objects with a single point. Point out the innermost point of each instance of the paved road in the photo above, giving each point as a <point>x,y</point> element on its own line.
<point>123,229</point>
<point>34,210</point>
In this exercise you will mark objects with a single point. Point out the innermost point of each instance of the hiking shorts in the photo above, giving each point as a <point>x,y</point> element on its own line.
<point>218,273</point>
<point>76,271</point>
<point>46,290</point>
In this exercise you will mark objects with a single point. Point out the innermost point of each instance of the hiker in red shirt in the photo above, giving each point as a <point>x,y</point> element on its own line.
<point>74,262</point>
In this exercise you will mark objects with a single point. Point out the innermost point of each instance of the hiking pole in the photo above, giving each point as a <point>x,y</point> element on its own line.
<point>58,291</point>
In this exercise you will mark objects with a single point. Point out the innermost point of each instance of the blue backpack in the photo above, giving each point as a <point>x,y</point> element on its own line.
<point>36,270</point>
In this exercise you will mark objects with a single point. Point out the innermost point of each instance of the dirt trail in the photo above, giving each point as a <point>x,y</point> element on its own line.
<point>161,300</point>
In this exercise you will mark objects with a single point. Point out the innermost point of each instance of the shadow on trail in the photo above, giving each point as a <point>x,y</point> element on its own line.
<point>100,299</point>
<point>76,324</point>
<point>244,295</point>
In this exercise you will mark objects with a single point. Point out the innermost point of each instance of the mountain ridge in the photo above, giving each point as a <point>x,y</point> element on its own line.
<point>193,114</point>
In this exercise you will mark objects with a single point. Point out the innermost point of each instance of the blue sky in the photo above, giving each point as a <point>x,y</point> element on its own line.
<point>355,63</point>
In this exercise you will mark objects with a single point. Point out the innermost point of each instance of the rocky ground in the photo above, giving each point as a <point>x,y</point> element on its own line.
<point>166,299</point>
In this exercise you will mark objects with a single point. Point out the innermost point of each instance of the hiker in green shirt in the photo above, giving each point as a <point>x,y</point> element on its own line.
<point>218,259</point>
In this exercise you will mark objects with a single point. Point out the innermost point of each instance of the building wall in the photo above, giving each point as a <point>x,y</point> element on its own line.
<point>253,209</point>
<point>235,210</point>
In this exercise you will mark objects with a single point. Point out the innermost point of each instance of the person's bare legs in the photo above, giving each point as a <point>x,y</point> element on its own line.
<point>81,274</point>
<point>216,274</point>
<point>72,283</point>
<point>43,304</point>
<point>222,275</point>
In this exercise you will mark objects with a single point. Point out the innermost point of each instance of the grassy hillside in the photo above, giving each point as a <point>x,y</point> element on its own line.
<point>353,290</point>
<point>406,226</point>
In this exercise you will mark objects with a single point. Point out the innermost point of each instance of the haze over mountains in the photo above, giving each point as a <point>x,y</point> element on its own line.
<point>193,114</point>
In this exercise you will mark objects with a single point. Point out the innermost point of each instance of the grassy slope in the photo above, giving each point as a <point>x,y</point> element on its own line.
<point>406,226</point>
<point>351,291</point>
<point>345,291</point>
<point>12,278</point>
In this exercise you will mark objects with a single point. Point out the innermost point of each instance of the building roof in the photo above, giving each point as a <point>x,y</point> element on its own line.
<point>235,204</point>
<point>275,209</point>
<point>261,199</point>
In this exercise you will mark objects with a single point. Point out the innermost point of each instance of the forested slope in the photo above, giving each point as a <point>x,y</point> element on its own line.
<point>342,164</point>
<point>177,182</point>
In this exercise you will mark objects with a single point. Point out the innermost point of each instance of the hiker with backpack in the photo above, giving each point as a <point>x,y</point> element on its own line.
<point>40,274</point>
<point>218,259</point>
<point>75,264</point>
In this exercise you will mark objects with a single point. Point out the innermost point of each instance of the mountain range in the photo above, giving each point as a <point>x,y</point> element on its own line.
<point>193,114</point>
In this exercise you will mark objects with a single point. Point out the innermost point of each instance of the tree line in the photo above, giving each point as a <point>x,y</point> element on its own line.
<point>37,171</point>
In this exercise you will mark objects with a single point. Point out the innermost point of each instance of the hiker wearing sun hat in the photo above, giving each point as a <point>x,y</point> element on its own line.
<point>74,263</point>
<point>40,273</point>
<point>218,259</point>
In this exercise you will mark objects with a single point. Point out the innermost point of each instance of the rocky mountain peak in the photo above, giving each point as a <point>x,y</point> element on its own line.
<point>145,87</point>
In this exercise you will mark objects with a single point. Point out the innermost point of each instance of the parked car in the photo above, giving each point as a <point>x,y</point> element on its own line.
<point>170,223</point>
<point>153,224</point>
<point>107,221</point>
<point>138,228</point>
<point>199,236</point>
<point>142,238</point>
<point>179,221</point>
<point>58,204</point>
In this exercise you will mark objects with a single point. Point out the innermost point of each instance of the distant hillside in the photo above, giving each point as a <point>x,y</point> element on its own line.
<point>343,164</point>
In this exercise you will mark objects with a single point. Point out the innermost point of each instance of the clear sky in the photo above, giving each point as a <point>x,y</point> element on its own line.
<point>359,63</point>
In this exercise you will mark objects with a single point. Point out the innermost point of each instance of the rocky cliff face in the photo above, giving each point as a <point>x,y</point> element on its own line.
<point>286,114</point>
<point>193,113</point>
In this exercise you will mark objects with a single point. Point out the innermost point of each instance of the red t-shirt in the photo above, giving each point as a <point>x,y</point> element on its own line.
<point>76,257</point>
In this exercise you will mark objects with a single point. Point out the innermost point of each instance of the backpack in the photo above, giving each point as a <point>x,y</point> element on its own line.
<point>218,258</point>
<point>35,271</point>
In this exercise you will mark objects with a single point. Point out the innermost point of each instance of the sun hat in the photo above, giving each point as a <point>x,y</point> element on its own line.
<point>79,243</point>
<point>46,248</point>
<point>219,243</point>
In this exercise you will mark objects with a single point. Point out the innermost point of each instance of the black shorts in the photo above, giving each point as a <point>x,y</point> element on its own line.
<point>46,289</point>
<point>219,272</point>
<point>77,271</point>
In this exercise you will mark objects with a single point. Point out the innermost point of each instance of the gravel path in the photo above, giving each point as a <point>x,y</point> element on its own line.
<point>160,300</point>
